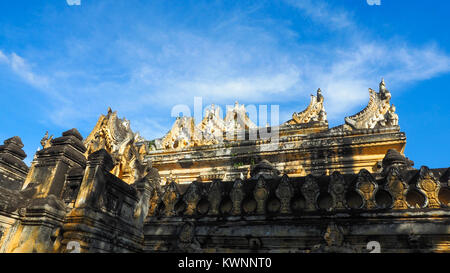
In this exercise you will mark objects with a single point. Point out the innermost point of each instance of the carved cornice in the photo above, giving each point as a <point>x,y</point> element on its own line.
<point>390,189</point>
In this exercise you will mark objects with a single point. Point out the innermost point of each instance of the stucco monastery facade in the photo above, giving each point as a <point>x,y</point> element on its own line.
<point>227,186</point>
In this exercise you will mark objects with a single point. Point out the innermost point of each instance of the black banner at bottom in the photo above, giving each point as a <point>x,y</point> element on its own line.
<point>179,262</point>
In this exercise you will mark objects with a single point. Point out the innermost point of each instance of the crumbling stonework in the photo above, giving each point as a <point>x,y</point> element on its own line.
<point>68,200</point>
<point>315,189</point>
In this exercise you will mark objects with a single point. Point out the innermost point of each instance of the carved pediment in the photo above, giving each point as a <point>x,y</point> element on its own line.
<point>337,190</point>
<point>261,193</point>
<point>285,192</point>
<point>237,195</point>
<point>396,185</point>
<point>428,185</point>
<point>367,188</point>
<point>310,190</point>
<point>215,196</point>
<point>191,198</point>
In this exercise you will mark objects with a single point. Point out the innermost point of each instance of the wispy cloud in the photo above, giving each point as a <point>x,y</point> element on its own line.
<point>353,71</point>
<point>19,66</point>
<point>322,13</point>
<point>3,58</point>
<point>351,68</point>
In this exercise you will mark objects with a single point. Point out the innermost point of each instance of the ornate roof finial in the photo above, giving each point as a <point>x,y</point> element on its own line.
<point>315,111</point>
<point>382,85</point>
<point>376,113</point>
<point>46,141</point>
<point>319,95</point>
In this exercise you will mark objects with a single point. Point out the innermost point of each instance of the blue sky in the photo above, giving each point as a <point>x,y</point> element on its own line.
<point>62,65</point>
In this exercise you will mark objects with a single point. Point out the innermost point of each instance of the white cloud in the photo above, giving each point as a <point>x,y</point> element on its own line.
<point>257,88</point>
<point>353,67</point>
<point>150,128</point>
<point>322,13</point>
<point>21,68</point>
<point>73,2</point>
<point>3,58</point>
<point>349,77</point>
<point>419,63</point>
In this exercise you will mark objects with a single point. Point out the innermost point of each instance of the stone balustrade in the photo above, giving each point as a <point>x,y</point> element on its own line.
<point>395,190</point>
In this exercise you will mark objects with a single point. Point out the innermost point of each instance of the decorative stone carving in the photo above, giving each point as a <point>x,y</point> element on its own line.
<point>237,119</point>
<point>108,202</point>
<point>210,130</point>
<point>65,153</point>
<point>378,112</point>
<point>314,112</point>
<point>264,169</point>
<point>393,158</point>
<point>237,195</point>
<point>397,187</point>
<point>334,235</point>
<point>254,243</point>
<point>261,193</point>
<point>170,198</point>
<point>367,188</point>
<point>183,134</point>
<point>334,242</point>
<point>310,190</point>
<point>305,137</point>
<point>212,127</point>
<point>72,185</point>
<point>46,141</point>
<point>337,190</point>
<point>429,186</point>
<point>285,192</point>
<point>191,198</point>
<point>391,118</point>
<point>186,238</point>
<point>186,234</point>
<point>153,202</point>
<point>414,240</point>
<point>215,197</point>
<point>117,138</point>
